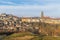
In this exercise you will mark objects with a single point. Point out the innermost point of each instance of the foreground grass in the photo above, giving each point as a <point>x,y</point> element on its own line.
<point>51,38</point>
<point>29,36</point>
<point>20,36</point>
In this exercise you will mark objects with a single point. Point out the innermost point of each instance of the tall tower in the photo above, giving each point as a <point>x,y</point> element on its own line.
<point>42,14</point>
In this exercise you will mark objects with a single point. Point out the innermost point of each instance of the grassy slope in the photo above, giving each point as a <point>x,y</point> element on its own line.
<point>29,36</point>
<point>20,36</point>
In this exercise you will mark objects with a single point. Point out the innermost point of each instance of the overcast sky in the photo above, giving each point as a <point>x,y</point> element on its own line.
<point>30,7</point>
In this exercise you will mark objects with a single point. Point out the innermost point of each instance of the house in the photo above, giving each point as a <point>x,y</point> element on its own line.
<point>30,19</point>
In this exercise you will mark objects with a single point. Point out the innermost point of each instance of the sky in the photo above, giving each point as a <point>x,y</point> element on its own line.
<point>30,7</point>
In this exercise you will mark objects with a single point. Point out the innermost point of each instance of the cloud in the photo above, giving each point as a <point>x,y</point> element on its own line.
<point>7,2</point>
<point>26,7</point>
<point>28,2</point>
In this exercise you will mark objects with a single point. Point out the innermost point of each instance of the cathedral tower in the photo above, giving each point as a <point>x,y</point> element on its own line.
<point>42,14</point>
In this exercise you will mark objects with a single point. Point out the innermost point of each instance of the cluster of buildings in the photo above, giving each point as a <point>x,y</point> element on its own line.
<point>41,19</point>
<point>10,22</point>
